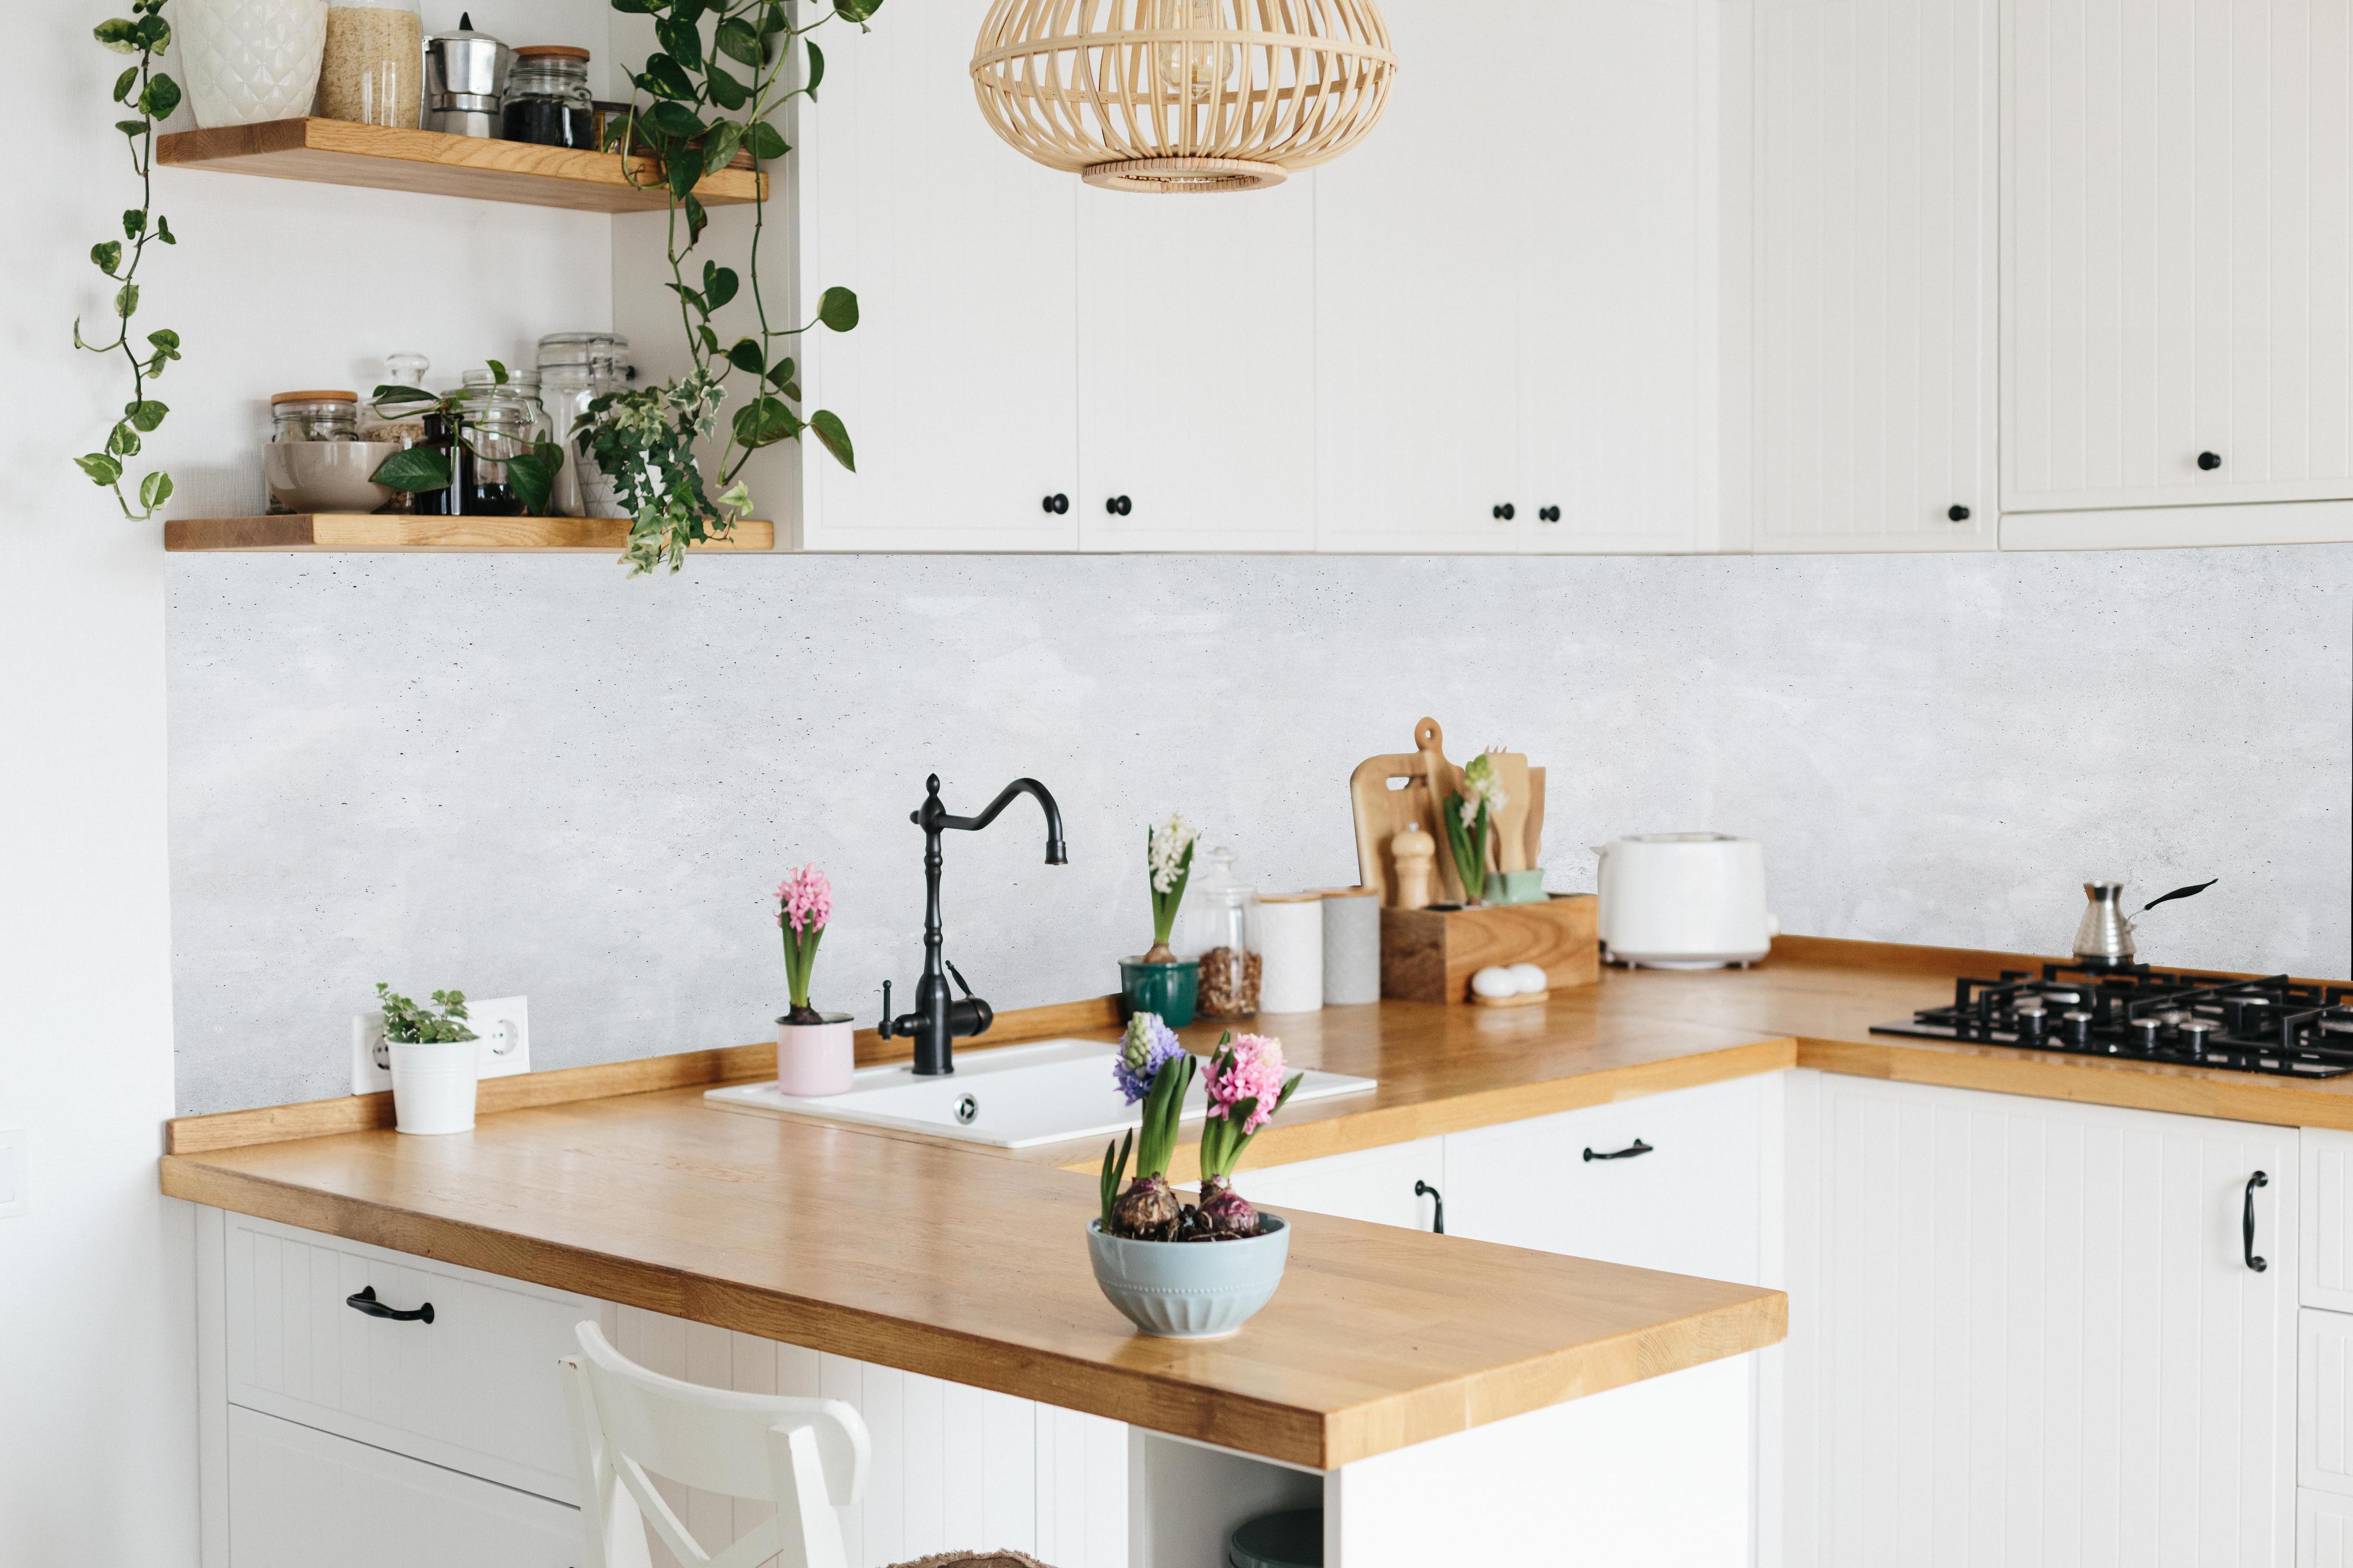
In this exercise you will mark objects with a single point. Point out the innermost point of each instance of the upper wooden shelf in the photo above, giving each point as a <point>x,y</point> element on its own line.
<point>420,535</point>
<point>338,152</point>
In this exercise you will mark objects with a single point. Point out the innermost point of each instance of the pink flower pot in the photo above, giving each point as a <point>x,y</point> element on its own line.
<point>814,1059</point>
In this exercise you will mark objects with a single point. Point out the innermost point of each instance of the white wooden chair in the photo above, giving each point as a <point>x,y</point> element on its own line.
<point>808,1456</point>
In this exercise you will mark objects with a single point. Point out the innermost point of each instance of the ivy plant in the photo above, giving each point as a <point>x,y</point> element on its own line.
<point>433,466</point>
<point>708,92</point>
<point>150,96</point>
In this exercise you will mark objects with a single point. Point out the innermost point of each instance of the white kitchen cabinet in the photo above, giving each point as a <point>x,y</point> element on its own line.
<point>2021,1327</point>
<point>2323,1531</point>
<point>2327,1164</point>
<point>1873,405</point>
<point>1669,1181</point>
<point>2324,1401</point>
<point>2178,277</point>
<point>300,1498</point>
<point>1373,1185</point>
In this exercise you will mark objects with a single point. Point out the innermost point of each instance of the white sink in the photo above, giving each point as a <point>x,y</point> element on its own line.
<point>1014,1097</point>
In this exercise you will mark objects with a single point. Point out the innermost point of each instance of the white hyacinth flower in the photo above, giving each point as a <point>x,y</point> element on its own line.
<point>1483,785</point>
<point>1169,842</point>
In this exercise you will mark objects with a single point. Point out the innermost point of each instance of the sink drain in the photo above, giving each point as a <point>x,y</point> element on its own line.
<point>967,1110</point>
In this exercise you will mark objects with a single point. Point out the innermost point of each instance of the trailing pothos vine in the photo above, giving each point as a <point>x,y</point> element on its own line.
<point>151,96</point>
<point>707,94</point>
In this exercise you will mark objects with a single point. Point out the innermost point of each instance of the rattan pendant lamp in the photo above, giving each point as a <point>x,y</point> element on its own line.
<point>1172,96</point>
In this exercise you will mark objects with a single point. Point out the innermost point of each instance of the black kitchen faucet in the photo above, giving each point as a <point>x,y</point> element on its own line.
<point>939,1019</point>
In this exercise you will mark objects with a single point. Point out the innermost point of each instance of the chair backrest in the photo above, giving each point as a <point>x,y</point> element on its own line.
<point>808,1456</point>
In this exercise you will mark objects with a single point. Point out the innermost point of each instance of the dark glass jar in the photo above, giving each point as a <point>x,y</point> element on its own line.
<point>547,100</point>
<point>451,501</point>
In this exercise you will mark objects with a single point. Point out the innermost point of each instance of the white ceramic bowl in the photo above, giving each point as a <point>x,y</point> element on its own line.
<point>327,476</point>
<point>1190,1290</point>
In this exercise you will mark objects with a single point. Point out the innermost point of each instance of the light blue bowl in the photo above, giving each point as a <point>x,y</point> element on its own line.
<point>1190,1290</point>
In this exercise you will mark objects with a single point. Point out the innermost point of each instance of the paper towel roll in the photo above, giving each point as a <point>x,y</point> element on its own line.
<point>1352,947</point>
<point>1290,946</point>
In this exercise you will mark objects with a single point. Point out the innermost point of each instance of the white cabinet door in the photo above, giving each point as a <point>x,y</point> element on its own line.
<point>1669,1181</point>
<point>959,383</point>
<point>2326,1277</point>
<point>1196,348</point>
<point>1374,1184</point>
<point>2323,1531</point>
<point>300,1498</point>
<point>2179,277</point>
<point>1875,170</point>
<point>2324,1401</point>
<point>2023,1331</point>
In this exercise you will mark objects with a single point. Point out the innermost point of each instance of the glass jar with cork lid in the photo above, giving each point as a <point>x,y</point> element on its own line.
<point>1221,931</point>
<point>548,102</point>
<point>372,71</point>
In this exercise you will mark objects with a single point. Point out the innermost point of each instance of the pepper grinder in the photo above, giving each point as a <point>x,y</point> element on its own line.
<point>465,77</point>
<point>1416,854</point>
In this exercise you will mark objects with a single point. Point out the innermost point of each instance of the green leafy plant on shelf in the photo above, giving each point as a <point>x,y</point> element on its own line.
<point>151,95</point>
<point>432,465</point>
<point>407,1024</point>
<point>708,91</point>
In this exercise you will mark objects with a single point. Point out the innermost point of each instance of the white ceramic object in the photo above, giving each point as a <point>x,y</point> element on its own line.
<point>1527,979</point>
<point>327,476</point>
<point>1291,948</point>
<point>1019,1096</point>
<point>1685,900</point>
<point>433,1086</point>
<point>1180,1290</point>
<point>1495,982</point>
<point>245,61</point>
<point>815,1060</point>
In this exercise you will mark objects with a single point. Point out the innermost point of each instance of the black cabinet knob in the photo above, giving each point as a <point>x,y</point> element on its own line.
<point>1056,504</point>
<point>1119,506</point>
<point>1505,513</point>
<point>1957,513</point>
<point>1550,513</point>
<point>2209,461</point>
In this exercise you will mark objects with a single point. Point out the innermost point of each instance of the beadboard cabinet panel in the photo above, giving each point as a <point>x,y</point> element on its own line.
<point>958,384</point>
<point>2178,237</point>
<point>2324,1405</point>
<point>1874,247</point>
<point>2323,1531</point>
<point>2326,1277</point>
<point>2024,1330</point>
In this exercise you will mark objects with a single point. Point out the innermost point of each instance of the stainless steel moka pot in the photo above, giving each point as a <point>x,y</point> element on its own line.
<point>2103,937</point>
<point>465,77</point>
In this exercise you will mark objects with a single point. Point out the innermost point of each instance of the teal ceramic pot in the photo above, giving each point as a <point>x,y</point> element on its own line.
<point>1515,886</point>
<point>1190,1290</point>
<point>1167,989</point>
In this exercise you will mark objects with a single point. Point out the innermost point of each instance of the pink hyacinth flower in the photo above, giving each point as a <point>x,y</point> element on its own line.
<point>1254,1072</point>
<point>805,900</point>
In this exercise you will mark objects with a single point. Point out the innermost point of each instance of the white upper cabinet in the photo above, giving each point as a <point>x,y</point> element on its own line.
<point>1874,407</point>
<point>2179,267</point>
<point>957,384</point>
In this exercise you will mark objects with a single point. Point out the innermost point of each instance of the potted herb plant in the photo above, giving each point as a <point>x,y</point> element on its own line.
<point>815,1055</point>
<point>1141,1243</point>
<point>1470,825</point>
<point>434,1069</point>
<point>1160,983</point>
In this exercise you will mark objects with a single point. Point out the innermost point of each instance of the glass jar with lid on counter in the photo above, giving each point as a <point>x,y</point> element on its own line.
<point>547,100</point>
<point>1221,931</point>
<point>575,368</point>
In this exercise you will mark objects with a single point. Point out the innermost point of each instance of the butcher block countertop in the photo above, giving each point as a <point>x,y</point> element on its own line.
<point>622,1182</point>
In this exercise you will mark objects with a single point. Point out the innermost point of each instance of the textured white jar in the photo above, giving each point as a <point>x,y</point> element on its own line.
<point>433,1086</point>
<point>1290,946</point>
<point>245,62</point>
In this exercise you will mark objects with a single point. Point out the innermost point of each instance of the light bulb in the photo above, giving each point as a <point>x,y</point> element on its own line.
<point>1195,70</point>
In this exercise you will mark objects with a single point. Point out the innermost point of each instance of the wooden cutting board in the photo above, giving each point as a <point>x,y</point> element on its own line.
<point>1405,789</point>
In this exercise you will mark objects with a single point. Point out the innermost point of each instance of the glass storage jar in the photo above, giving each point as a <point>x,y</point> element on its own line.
<point>548,101</point>
<point>497,422</point>
<point>575,370</point>
<point>394,426</point>
<point>374,70</point>
<point>314,417</point>
<point>1221,931</point>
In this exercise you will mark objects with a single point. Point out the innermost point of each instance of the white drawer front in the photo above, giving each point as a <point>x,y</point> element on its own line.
<point>1375,1185</point>
<point>300,1498</point>
<point>475,1389</point>
<point>2324,1401</point>
<point>2326,1278</point>
<point>2323,1531</point>
<point>1688,1203</point>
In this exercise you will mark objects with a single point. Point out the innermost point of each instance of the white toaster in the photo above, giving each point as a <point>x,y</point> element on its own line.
<point>1685,900</point>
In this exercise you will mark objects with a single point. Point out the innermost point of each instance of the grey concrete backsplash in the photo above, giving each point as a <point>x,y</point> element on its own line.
<point>531,775</point>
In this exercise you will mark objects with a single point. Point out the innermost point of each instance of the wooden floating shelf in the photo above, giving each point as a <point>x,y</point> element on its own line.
<point>338,152</point>
<point>371,530</point>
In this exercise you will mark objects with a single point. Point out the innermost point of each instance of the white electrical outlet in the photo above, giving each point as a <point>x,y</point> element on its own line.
<point>502,1026</point>
<point>13,1196</point>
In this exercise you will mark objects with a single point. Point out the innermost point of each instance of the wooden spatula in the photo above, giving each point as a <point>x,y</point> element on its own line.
<point>1511,822</point>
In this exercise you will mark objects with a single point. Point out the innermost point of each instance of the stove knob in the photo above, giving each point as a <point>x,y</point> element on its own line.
<point>2145,1033</point>
<point>2195,1033</point>
<point>2079,1028</point>
<point>2030,1023</point>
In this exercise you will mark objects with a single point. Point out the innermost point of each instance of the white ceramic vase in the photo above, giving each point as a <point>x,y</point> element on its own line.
<point>433,1085</point>
<point>814,1059</point>
<point>245,62</point>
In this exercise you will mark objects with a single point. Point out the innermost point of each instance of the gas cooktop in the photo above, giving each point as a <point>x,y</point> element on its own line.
<point>2137,1014</point>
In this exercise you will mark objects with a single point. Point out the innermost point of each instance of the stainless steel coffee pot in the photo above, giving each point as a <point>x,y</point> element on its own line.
<point>2103,937</point>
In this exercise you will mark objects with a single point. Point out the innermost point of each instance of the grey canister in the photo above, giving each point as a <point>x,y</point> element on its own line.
<point>1352,947</point>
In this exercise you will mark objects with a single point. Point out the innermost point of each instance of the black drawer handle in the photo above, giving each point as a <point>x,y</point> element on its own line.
<point>1505,513</point>
<point>1119,506</point>
<point>2209,461</point>
<point>1549,513</point>
<point>1057,503</point>
<point>1437,1221</point>
<point>2248,1226</point>
<point>1628,1153</point>
<point>366,1301</point>
<point>1957,513</point>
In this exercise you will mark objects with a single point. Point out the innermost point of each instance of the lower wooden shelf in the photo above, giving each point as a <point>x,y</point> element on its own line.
<point>369,531</point>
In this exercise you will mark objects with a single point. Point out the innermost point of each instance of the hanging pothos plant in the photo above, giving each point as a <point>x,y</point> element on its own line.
<point>151,95</point>
<point>706,94</point>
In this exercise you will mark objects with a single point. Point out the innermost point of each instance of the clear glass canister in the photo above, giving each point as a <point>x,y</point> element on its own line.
<point>1221,931</point>
<point>374,68</point>
<point>314,417</point>
<point>523,384</point>
<point>497,422</point>
<point>575,370</point>
<point>547,100</point>
<point>399,424</point>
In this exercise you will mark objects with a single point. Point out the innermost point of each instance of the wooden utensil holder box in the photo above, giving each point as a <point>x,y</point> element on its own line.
<point>1429,955</point>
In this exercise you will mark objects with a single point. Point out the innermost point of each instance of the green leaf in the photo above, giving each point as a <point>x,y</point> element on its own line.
<point>119,34</point>
<point>166,342</point>
<point>675,119</point>
<point>152,33</point>
<point>122,440</point>
<point>682,173</point>
<point>697,219</point>
<point>497,372</point>
<point>857,10</point>
<point>134,129</point>
<point>415,470</point>
<point>102,468</point>
<point>740,42</point>
<point>134,223</point>
<point>663,78</point>
<point>782,372</point>
<point>719,149</point>
<point>816,68</point>
<point>747,357</point>
<point>681,41</point>
<point>155,490</point>
<point>709,337</point>
<point>163,231</point>
<point>124,83</point>
<point>767,143</point>
<point>763,422</point>
<point>106,258</point>
<point>773,20</point>
<point>830,430</point>
<point>393,400</point>
<point>146,414</point>
<point>689,295</point>
<point>126,301</point>
<point>162,96</point>
<point>838,308</point>
<point>792,391</point>
<point>719,284</point>
<point>533,475</point>
<point>725,91</point>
